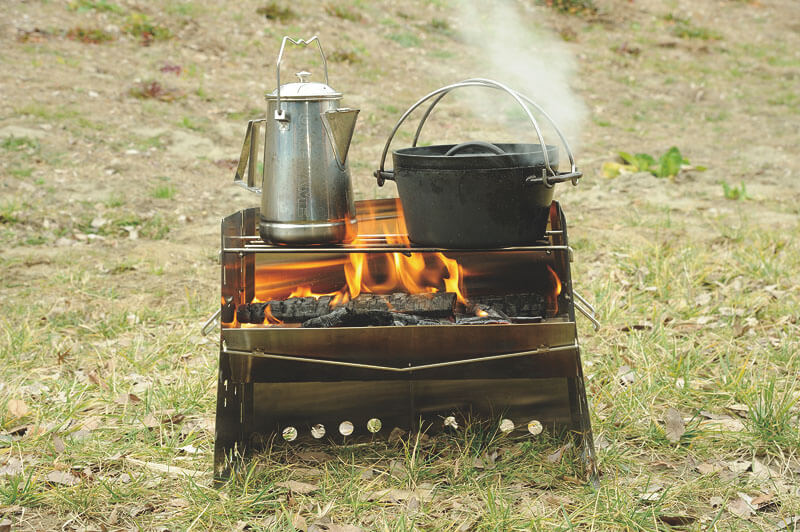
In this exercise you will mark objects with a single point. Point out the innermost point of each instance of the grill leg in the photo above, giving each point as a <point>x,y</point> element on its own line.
<point>583,439</point>
<point>233,425</point>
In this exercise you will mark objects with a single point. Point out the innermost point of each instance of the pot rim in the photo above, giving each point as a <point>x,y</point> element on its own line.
<point>421,158</point>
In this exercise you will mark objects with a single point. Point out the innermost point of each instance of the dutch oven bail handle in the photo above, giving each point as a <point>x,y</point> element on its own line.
<point>548,178</point>
<point>280,114</point>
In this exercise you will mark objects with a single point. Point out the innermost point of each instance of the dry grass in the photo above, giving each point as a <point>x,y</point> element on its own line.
<point>109,209</point>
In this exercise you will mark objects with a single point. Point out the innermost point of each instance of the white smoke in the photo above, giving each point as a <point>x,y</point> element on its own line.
<point>513,50</point>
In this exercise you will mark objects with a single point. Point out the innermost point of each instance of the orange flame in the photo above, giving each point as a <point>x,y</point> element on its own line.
<point>378,273</point>
<point>552,298</point>
<point>269,319</point>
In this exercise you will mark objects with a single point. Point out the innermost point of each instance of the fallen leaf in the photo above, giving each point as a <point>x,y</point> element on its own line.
<point>150,421</point>
<point>625,376</point>
<point>399,495</point>
<point>58,444</point>
<point>17,408</point>
<point>646,326</point>
<point>601,443</point>
<point>95,378</point>
<point>739,466</point>
<point>314,456</point>
<point>91,423</point>
<point>189,449</point>
<point>722,423</point>
<point>299,523</point>
<point>141,508</point>
<point>113,517</point>
<point>739,408</point>
<point>163,468</point>
<point>11,468</point>
<point>295,486</point>
<point>707,468</point>
<point>396,435</point>
<point>741,507</point>
<point>789,523</point>
<point>555,457</point>
<point>65,478</point>
<point>675,427</point>
<point>485,461</point>
<point>331,527</point>
<point>763,472</point>
<point>763,501</point>
<point>677,520</point>
<point>652,493</point>
<point>179,503</point>
<point>128,398</point>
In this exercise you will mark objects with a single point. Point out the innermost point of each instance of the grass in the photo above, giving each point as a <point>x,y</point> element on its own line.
<point>698,295</point>
<point>145,29</point>
<point>277,11</point>
<point>405,39</point>
<point>139,350</point>
<point>164,191</point>
<point>343,12</point>
<point>13,143</point>
<point>89,36</point>
<point>94,5</point>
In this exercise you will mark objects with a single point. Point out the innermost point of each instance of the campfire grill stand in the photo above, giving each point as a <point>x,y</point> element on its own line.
<point>274,378</point>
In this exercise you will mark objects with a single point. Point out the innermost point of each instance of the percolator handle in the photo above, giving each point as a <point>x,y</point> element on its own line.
<point>280,114</point>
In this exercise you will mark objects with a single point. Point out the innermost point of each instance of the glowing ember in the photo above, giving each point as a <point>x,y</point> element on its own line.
<point>481,313</point>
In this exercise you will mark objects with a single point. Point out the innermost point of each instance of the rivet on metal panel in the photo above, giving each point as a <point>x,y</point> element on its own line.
<point>374,425</point>
<point>345,428</point>
<point>506,426</point>
<point>318,431</point>
<point>290,434</point>
<point>535,427</point>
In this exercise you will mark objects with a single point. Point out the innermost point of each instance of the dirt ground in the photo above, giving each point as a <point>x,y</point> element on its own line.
<point>117,161</point>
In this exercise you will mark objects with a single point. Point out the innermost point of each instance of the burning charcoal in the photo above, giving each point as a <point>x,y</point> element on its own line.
<point>333,319</point>
<point>480,320</point>
<point>299,309</point>
<point>486,311</point>
<point>344,317</point>
<point>243,313</point>
<point>369,318</point>
<point>438,305</point>
<point>514,305</point>
<point>228,312</point>
<point>257,312</point>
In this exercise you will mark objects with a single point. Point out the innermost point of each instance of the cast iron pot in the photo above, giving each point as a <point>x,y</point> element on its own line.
<point>476,194</point>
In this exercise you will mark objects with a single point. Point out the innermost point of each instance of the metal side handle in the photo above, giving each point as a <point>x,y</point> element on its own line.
<point>586,308</point>
<point>248,160</point>
<point>211,323</point>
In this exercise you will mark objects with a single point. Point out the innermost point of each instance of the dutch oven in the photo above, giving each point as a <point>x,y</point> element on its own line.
<point>476,194</point>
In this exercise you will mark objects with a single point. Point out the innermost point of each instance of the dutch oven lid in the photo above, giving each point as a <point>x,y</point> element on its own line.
<point>473,155</point>
<point>305,90</point>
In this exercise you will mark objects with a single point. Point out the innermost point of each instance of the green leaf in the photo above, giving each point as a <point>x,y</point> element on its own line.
<point>643,162</point>
<point>627,157</point>
<point>670,163</point>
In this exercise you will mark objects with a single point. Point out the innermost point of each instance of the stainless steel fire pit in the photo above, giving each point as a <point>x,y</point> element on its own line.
<point>287,384</point>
